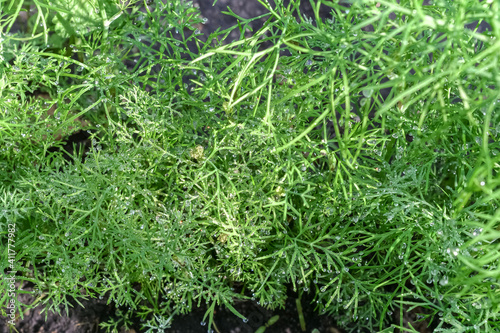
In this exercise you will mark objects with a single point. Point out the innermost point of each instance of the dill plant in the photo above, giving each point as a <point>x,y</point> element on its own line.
<point>222,172</point>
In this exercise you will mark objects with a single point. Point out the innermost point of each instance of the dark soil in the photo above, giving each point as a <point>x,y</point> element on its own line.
<point>86,319</point>
<point>245,9</point>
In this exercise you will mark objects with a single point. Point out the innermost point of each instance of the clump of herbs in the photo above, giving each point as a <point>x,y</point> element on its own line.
<point>226,172</point>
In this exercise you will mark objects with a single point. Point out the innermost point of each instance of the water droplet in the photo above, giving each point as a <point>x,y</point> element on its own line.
<point>392,76</point>
<point>367,92</point>
<point>444,281</point>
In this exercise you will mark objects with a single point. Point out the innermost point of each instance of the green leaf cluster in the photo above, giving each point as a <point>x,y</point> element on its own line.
<point>354,157</point>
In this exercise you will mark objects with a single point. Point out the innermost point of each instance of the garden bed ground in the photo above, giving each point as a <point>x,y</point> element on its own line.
<point>95,311</point>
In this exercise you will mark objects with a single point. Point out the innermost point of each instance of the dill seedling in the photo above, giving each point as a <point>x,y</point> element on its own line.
<point>354,157</point>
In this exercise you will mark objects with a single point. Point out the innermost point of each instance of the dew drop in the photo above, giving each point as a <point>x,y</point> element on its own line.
<point>367,92</point>
<point>444,281</point>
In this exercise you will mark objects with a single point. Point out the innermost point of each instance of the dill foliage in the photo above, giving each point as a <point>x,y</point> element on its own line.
<point>355,158</point>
